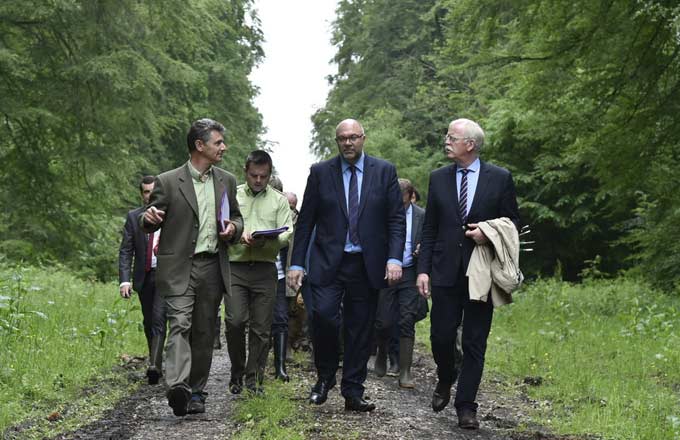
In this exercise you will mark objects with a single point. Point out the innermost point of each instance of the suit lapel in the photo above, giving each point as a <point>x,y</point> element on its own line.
<point>482,181</point>
<point>186,187</point>
<point>339,184</point>
<point>416,220</point>
<point>366,181</point>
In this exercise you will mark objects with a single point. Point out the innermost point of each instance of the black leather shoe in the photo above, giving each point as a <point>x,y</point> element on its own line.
<point>177,400</point>
<point>441,396</point>
<point>320,391</point>
<point>153,375</point>
<point>196,405</point>
<point>358,404</point>
<point>236,386</point>
<point>467,419</point>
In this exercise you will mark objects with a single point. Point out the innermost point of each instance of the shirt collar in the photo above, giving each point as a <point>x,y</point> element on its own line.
<point>197,176</point>
<point>252,194</point>
<point>474,166</point>
<point>410,209</point>
<point>359,165</point>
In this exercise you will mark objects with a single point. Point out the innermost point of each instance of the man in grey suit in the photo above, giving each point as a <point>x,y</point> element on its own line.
<point>191,203</point>
<point>402,299</point>
<point>138,246</point>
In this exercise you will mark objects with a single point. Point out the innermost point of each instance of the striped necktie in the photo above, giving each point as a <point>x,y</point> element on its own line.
<point>462,199</point>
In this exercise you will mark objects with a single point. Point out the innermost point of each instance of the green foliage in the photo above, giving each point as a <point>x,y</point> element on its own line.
<point>57,333</point>
<point>603,353</point>
<point>579,100</point>
<point>96,94</point>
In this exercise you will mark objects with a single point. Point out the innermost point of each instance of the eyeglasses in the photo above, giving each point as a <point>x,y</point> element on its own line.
<point>352,139</point>
<point>453,139</point>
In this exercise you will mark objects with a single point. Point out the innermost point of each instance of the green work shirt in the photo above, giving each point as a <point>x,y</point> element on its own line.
<point>267,209</point>
<point>207,219</point>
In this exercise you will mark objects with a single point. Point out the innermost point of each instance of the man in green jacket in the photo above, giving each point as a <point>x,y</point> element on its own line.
<point>251,298</point>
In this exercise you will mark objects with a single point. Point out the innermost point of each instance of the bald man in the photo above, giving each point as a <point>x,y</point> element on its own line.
<point>355,204</point>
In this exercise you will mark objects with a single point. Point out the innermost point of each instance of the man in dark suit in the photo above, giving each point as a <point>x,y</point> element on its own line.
<point>402,301</point>
<point>460,196</point>
<point>138,246</point>
<point>191,203</point>
<point>354,202</point>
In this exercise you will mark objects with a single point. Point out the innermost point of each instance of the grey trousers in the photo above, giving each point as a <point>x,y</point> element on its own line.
<point>250,301</point>
<point>191,320</point>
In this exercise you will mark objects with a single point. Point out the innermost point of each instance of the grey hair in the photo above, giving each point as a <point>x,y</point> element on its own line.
<point>471,130</point>
<point>202,129</point>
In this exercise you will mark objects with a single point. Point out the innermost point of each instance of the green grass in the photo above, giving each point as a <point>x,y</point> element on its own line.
<point>275,415</point>
<point>606,353</point>
<point>59,335</point>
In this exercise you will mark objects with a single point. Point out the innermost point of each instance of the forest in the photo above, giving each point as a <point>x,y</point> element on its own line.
<point>578,99</point>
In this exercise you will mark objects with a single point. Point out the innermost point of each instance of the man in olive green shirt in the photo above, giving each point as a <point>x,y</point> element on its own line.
<point>193,261</point>
<point>253,273</point>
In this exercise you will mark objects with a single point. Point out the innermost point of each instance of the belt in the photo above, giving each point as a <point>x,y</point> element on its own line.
<point>205,255</point>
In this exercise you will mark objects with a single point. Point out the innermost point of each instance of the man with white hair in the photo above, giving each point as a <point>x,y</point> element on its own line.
<point>459,197</point>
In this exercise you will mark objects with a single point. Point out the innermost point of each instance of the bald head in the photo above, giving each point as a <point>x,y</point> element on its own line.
<point>349,135</point>
<point>292,200</point>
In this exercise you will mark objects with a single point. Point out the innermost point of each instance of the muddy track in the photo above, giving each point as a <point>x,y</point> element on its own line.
<point>400,414</point>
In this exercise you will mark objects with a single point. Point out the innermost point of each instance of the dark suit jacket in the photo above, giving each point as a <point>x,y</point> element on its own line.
<point>174,193</point>
<point>382,223</point>
<point>132,248</point>
<point>444,243</point>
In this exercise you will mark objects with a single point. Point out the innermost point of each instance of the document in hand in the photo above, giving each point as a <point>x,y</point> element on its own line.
<point>223,212</point>
<point>269,233</point>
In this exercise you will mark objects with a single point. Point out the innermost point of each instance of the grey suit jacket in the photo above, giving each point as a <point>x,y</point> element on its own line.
<point>417,229</point>
<point>174,193</point>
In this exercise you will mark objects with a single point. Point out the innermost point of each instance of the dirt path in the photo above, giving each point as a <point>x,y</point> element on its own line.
<point>400,414</point>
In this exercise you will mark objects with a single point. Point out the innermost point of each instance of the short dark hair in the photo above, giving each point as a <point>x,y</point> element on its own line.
<point>259,157</point>
<point>202,129</point>
<point>146,180</point>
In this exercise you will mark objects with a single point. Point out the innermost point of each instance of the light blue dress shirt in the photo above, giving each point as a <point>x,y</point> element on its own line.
<point>407,261</point>
<point>472,179</point>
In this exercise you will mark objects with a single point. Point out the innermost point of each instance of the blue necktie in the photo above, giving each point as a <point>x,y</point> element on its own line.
<point>353,202</point>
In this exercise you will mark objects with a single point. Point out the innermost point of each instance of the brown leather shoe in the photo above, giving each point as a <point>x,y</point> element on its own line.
<point>467,419</point>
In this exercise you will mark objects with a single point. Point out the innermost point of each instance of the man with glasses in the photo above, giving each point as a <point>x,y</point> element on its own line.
<point>355,204</point>
<point>459,197</point>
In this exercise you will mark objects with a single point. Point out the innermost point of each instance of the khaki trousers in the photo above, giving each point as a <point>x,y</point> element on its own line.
<point>191,320</point>
<point>250,301</point>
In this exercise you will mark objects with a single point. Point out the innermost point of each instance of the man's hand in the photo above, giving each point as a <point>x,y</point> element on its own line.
<point>228,232</point>
<point>476,234</point>
<point>392,273</point>
<point>154,216</point>
<point>423,284</point>
<point>248,240</point>
<point>125,290</point>
<point>294,279</point>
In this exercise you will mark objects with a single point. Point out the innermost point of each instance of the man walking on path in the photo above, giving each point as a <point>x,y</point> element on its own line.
<point>355,204</point>
<point>250,302</point>
<point>402,299</point>
<point>138,246</point>
<point>191,204</point>
<point>460,196</point>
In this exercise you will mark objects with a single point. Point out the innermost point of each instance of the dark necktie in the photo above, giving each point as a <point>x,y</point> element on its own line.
<point>462,200</point>
<point>149,252</point>
<point>353,202</point>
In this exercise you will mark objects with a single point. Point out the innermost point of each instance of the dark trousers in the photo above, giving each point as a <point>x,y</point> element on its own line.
<point>351,287</point>
<point>280,318</point>
<point>153,308</point>
<point>398,305</point>
<point>448,306</point>
<point>250,303</point>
